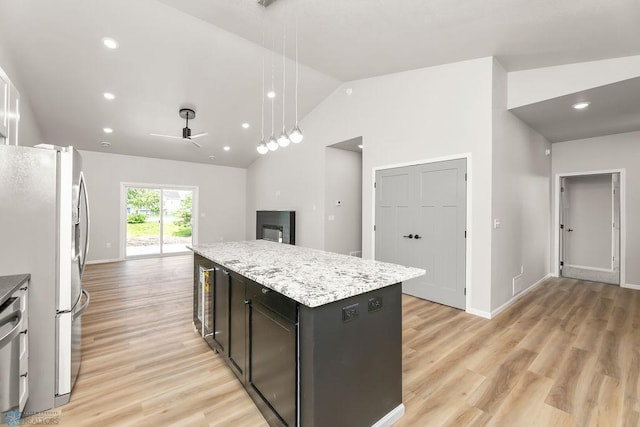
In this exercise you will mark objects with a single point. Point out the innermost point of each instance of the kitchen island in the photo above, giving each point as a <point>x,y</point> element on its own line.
<point>314,337</point>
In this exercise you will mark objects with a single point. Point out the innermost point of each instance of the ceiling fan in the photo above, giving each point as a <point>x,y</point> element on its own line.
<point>187,114</point>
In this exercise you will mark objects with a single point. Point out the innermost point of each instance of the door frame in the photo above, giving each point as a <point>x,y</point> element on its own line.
<point>123,207</point>
<point>468,246</point>
<point>623,218</point>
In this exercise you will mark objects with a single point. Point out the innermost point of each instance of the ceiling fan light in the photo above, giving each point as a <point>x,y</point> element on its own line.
<point>296,135</point>
<point>283,139</point>
<point>272,144</point>
<point>262,148</point>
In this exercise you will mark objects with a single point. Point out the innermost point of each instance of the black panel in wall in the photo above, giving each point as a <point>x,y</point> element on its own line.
<point>276,226</point>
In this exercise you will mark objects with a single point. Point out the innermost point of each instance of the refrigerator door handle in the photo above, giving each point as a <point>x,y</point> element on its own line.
<point>84,306</point>
<point>83,191</point>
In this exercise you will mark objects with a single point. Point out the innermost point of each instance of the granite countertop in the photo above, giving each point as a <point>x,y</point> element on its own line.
<point>9,284</point>
<point>309,276</point>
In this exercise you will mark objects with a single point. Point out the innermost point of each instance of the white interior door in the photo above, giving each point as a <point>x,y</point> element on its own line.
<point>588,228</point>
<point>420,222</point>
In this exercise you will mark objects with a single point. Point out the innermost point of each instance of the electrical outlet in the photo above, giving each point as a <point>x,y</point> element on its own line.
<point>375,304</point>
<point>350,312</point>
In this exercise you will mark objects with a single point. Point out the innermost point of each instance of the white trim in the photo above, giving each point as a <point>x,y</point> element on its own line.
<point>623,216</point>
<point>391,418</point>
<point>631,286</point>
<point>584,267</point>
<point>123,207</point>
<point>469,241</point>
<point>519,295</point>
<point>104,261</point>
<point>480,313</point>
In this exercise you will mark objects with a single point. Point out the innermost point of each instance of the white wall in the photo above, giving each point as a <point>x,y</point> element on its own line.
<point>29,131</point>
<point>404,117</point>
<point>620,151</point>
<point>539,84</point>
<point>221,197</point>
<point>521,199</point>
<point>343,224</point>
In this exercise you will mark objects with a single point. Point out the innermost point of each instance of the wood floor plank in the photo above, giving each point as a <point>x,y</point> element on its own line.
<point>566,354</point>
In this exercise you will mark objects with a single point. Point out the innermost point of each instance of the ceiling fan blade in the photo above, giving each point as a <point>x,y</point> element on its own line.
<point>198,135</point>
<point>165,136</point>
<point>194,143</point>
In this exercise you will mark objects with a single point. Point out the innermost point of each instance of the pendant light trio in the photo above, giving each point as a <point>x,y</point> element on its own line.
<point>285,138</point>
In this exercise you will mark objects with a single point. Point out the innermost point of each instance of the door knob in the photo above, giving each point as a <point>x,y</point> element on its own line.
<point>417,236</point>
<point>410,236</point>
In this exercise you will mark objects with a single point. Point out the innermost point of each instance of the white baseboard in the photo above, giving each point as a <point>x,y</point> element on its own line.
<point>515,298</point>
<point>103,261</point>
<point>584,267</point>
<point>631,286</point>
<point>480,313</point>
<point>391,418</point>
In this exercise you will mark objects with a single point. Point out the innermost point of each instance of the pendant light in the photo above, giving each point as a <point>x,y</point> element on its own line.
<point>262,147</point>
<point>296,134</point>
<point>272,144</point>
<point>283,139</point>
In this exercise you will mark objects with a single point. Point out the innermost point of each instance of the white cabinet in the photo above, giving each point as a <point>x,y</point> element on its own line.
<point>4,105</point>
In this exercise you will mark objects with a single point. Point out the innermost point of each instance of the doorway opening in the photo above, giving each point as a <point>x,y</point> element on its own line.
<point>157,220</point>
<point>590,226</point>
<point>343,197</point>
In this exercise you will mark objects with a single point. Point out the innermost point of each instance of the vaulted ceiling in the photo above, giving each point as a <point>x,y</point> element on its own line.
<point>209,54</point>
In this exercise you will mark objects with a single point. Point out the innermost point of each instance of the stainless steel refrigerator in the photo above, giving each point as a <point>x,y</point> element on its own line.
<point>44,230</point>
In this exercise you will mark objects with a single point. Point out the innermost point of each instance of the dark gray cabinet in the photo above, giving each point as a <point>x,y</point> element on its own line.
<point>237,350</point>
<point>221,309</point>
<point>272,370</point>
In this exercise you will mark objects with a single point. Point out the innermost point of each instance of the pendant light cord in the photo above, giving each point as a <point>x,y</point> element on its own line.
<point>296,64</point>
<point>273,67</point>
<point>262,98</point>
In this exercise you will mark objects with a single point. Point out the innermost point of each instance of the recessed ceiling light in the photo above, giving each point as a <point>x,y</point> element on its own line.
<point>109,96</point>
<point>360,146</point>
<point>212,157</point>
<point>581,105</point>
<point>110,42</point>
<point>226,148</point>
<point>107,130</point>
<point>271,94</point>
<point>105,144</point>
<point>245,125</point>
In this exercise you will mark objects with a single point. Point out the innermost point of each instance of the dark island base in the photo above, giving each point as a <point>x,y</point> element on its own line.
<point>339,364</point>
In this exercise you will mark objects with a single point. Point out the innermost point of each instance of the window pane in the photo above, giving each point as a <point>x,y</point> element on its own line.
<point>143,221</point>
<point>177,209</point>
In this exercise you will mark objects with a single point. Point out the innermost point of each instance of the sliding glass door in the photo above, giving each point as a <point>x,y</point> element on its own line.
<point>158,220</point>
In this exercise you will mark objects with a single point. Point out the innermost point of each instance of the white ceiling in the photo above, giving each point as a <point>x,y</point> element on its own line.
<point>614,108</point>
<point>208,53</point>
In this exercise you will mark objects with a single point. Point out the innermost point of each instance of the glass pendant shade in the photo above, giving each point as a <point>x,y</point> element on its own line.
<point>283,139</point>
<point>272,144</point>
<point>262,148</point>
<point>296,135</point>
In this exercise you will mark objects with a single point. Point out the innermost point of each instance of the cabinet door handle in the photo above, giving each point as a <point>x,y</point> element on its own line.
<point>265,290</point>
<point>410,236</point>
<point>247,301</point>
<point>417,236</point>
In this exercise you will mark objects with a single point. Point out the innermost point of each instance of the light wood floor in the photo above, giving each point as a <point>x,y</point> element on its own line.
<point>566,354</point>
